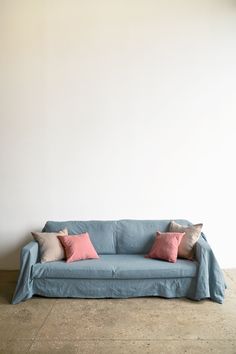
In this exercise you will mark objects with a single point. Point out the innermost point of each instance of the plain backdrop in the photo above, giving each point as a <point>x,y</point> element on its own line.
<point>117,109</point>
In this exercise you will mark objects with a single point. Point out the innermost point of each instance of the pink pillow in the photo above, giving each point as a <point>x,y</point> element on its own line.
<point>78,247</point>
<point>165,246</point>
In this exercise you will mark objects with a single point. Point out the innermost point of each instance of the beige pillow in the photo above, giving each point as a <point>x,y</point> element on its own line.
<point>192,234</point>
<point>49,245</point>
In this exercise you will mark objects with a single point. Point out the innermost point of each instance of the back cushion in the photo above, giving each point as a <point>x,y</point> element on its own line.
<point>110,237</point>
<point>101,232</point>
<point>137,236</point>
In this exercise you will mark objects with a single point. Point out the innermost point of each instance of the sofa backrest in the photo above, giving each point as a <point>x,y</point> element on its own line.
<point>137,236</point>
<point>110,237</point>
<point>102,233</point>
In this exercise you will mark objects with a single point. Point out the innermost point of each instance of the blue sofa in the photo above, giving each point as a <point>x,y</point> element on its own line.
<point>121,271</point>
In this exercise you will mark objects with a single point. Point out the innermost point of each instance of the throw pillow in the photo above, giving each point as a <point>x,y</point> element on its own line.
<point>49,246</point>
<point>78,247</point>
<point>165,246</point>
<point>192,234</point>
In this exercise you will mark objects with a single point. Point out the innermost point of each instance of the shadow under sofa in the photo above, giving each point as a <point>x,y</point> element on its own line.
<point>121,271</point>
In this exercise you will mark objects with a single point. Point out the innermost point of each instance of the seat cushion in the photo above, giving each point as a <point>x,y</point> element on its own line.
<point>138,267</point>
<point>116,266</point>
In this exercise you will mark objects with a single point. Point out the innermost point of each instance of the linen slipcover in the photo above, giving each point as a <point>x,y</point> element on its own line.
<point>122,271</point>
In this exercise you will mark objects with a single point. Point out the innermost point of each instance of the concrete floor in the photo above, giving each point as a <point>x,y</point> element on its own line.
<point>140,325</point>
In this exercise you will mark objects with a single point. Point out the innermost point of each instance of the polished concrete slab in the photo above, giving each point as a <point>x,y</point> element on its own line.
<point>139,325</point>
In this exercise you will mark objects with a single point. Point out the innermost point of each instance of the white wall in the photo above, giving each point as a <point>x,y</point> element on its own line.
<point>117,109</point>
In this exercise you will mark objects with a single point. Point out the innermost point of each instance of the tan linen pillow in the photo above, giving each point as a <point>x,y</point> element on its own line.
<point>49,245</point>
<point>192,234</point>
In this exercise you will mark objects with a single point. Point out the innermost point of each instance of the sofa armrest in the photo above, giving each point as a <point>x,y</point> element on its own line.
<point>210,278</point>
<point>28,257</point>
<point>202,246</point>
<point>32,250</point>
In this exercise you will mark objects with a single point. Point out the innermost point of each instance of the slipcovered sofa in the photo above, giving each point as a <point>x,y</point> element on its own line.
<point>121,271</point>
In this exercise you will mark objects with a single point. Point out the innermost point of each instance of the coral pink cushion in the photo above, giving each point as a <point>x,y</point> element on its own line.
<point>165,246</point>
<point>78,247</point>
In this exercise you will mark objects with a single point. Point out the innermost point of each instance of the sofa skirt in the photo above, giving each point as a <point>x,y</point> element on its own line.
<point>114,288</point>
